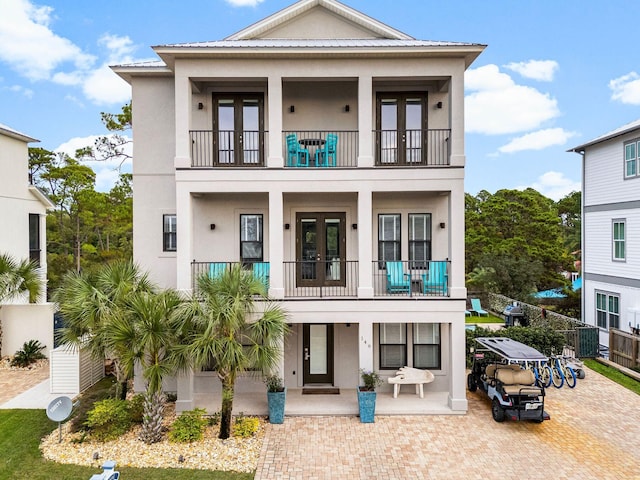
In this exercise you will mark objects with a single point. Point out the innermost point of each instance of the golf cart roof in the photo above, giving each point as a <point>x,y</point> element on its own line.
<point>510,349</point>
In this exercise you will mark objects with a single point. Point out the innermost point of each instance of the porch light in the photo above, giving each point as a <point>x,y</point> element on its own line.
<point>212,226</point>
<point>200,105</point>
<point>354,226</point>
<point>346,108</point>
<point>442,225</point>
<point>439,105</point>
<point>287,226</point>
<point>292,109</point>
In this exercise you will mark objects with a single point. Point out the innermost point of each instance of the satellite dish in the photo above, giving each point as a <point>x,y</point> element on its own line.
<point>59,409</point>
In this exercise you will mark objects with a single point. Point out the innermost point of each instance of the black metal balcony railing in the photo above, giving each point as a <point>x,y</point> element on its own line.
<point>411,278</point>
<point>413,148</point>
<point>315,142</point>
<point>227,148</point>
<point>334,278</point>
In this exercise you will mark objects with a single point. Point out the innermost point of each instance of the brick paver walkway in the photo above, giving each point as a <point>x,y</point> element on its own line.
<point>594,433</point>
<point>14,382</point>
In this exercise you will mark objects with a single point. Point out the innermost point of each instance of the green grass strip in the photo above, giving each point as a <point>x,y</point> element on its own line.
<point>613,374</point>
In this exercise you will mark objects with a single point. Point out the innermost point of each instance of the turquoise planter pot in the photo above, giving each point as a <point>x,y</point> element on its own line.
<point>276,401</point>
<point>367,406</point>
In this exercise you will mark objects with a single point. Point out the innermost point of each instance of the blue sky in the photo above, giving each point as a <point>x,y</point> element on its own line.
<point>555,73</point>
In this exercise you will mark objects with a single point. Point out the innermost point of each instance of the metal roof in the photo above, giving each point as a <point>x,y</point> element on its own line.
<point>318,43</point>
<point>511,349</point>
<point>629,127</point>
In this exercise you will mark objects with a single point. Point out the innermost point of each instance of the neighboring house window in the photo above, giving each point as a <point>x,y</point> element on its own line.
<point>631,160</point>
<point>251,238</point>
<point>419,239</point>
<point>388,238</point>
<point>607,310</point>
<point>393,345</point>
<point>619,240</point>
<point>169,233</point>
<point>426,345</point>
<point>34,238</point>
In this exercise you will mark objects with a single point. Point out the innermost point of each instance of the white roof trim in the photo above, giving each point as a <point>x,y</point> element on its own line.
<point>284,15</point>
<point>629,127</point>
<point>10,132</point>
<point>36,192</point>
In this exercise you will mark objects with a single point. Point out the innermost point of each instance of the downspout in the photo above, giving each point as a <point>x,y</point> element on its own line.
<point>582,222</point>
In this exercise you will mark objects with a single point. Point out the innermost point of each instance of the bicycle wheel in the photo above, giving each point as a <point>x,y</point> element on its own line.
<point>569,376</point>
<point>556,377</point>
<point>545,375</point>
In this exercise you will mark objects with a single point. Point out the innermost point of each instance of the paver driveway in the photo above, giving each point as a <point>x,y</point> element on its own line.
<point>594,433</point>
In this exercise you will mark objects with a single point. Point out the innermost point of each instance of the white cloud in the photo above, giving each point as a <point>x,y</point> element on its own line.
<point>626,88</point>
<point>542,70</point>
<point>538,140</point>
<point>497,105</point>
<point>244,3</point>
<point>104,87</point>
<point>27,92</point>
<point>554,185</point>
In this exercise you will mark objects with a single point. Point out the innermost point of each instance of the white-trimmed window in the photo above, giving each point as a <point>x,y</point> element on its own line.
<point>169,233</point>
<point>389,238</point>
<point>631,160</point>
<point>618,235</point>
<point>607,310</point>
<point>393,345</point>
<point>419,239</point>
<point>426,345</point>
<point>251,247</point>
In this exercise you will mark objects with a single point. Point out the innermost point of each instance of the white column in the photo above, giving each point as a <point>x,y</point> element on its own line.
<point>183,99</point>
<point>185,392</point>
<point>365,345</point>
<point>276,245</point>
<point>456,240</point>
<point>365,121</point>
<point>457,345</point>
<point>275,159</point>
<point>184,251</point>
<point>365,244</point>
<point>456,97</point>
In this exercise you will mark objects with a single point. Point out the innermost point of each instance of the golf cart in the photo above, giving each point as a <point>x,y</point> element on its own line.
<point>500,370</point>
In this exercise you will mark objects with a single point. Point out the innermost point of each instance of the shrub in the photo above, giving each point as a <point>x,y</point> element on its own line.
<point>189,426</point>
<point>99,391</point>
<point>31,351</point>
<point>136,408</point>
<point>274,383</point>
<point>245,427</point>
<point>109,419</point>
<point>214,419</point>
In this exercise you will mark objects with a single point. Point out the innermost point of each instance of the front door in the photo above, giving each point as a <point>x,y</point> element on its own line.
<point>320,249</point>
<point>238,129</point>
<point>317,345</point>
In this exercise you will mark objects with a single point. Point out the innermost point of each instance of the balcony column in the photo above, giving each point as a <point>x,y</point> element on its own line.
<point>365,345</point>
<point>274,149</point>
<point>457,380</point>
<point>456,99</point>
<point>365,121</point>
<point>365,243</point>
<point>183,100</point>
<point>456,240</point>
<point>276,245</point>
<point>184,227</point>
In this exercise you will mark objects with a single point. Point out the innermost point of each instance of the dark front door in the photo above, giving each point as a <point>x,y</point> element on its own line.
<point>238,129</point>
<point>317,348</point>
<point>320,249</point>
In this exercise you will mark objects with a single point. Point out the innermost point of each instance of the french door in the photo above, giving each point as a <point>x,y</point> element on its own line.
<point>238,130</point>
<point>317,361</point>
<point>401,128</point>
<point>320,249</point>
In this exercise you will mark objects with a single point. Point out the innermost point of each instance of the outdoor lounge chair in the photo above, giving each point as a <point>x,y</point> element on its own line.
<point>477,308</point>
<point>397,280</point>
<point>261,272</point>
<point>326,156</point>
<point>296,155</point>
<point>436,280</point>
<point>216,269</point>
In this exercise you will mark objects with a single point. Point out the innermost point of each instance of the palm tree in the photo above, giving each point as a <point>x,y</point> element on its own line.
<point>148,331</point>
<point>18,278</point>
<point>223,330</point>
<point>90,303</point>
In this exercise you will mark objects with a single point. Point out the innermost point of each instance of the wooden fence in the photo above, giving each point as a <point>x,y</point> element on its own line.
<point>624,348</point>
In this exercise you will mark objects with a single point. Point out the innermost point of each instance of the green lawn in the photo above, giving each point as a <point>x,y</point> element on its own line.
<point>613,374</point>
<point>488,319</point>
<point>20,434</point>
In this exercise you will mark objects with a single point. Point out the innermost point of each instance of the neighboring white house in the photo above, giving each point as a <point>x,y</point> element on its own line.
<point>381,116</point>
<point>23,211</point>
<point>611,229</point>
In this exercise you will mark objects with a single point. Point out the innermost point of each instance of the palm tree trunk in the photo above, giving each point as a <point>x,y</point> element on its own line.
<point>228,386</point>
<point>152,418</point>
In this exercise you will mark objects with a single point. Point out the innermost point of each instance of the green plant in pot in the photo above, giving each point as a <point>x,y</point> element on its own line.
<point>276,396</point>
<point>367,395</point>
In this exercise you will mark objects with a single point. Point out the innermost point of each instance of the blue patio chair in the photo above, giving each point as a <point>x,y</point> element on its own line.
<point>326,156</point>
<point>261,272</point>
<point>436,280</point>
<point>296,155</point>
<point>216,269</point>
<point>397,280</point>
<point>476,307</point>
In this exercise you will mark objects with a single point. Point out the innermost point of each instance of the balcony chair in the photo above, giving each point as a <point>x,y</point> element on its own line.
<point>436,280</point>
<point>296,155</point>
<point>261,272</point>
<point>476,308</point>
<point>216,269</point>
<point>326,156</point>
<point>397,280</point>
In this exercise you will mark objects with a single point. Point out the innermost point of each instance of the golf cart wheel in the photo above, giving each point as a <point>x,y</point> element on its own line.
<point>471,383</point>
<point>496,410</point>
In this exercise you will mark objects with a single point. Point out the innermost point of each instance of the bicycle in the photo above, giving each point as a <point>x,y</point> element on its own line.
<point>561,372</point>
<point>568,372</point>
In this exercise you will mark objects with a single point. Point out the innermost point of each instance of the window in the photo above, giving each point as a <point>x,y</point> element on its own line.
<point>419,239</point>
<point>169,233</point>
<point>426,345</point>
<point>251,238</point>
<point>393,345</point>
<point>631,160</point>
<point>607,310</point>
<point>34,238</point>
<point>619,240</point>
<point>388,238</point>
